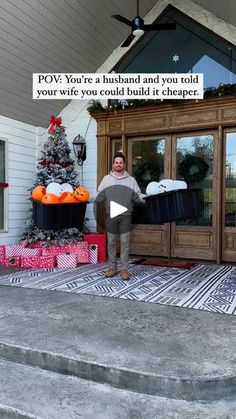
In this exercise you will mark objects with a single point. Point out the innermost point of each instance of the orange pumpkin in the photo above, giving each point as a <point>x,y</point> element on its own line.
<point>82,194</point>
<point>50,198</point>
<point>38,193</point>
<point>67,198</point>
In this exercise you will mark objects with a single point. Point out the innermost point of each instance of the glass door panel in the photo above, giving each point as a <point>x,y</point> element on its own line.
<point>202,148</point>
<point>149,160</point>
<point>229,198</point>
<point>196,237</point>
<point>230,180</point>
<point>147,165</point>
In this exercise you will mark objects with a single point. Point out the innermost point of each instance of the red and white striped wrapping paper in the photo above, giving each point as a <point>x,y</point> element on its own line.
<point>82,252</point>
<point>66,261</point>
<point>38,261</point>
<point>12,261</point>
<point>2,254</point>
<point>31,252</point>
<point>14,250</point>
<point>100,240</point>
<point>93,253</point>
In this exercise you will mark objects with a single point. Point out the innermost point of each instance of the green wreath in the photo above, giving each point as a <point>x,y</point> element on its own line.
<point>146,173</point>
<point>193,169</point>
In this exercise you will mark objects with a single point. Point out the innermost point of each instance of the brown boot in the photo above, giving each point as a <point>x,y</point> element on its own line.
<point>111,272</point>
<point>124,274</point>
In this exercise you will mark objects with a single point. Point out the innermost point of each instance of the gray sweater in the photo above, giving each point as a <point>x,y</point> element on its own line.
<point>126,193</point>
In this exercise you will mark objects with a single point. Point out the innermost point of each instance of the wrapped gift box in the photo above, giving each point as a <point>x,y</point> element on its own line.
<point>54,250</point>
<point>38,261</point>
<point>100,240</point>
<point>78,247</point>
<point>67,260</point>
<point>93,253</point>
<point>83,255</point>
<point>35,245</point>
<point>31,252</point>
<point>12,261</point>
<point>14,250</point>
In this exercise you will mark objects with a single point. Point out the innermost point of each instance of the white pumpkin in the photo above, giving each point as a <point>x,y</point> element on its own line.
<point>167,185</point>
<point>66,187</point>
<point>180,184</point>
<point>54,188</point>
<point>152,188</point>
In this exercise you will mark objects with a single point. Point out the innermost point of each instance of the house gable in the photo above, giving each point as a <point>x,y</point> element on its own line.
<point>191,48</point>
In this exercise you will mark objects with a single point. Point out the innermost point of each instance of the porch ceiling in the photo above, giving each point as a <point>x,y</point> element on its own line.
<point>63,36</point>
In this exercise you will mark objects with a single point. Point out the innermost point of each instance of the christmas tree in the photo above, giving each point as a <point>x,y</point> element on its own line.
<point>55,165</point>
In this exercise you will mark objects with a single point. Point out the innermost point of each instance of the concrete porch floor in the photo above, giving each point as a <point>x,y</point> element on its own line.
<point>180,363</point>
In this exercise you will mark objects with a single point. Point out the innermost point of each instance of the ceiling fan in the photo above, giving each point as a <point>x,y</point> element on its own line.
<point>138,27</point>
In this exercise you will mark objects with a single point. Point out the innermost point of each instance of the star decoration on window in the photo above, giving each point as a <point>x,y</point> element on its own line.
<point>175,58</point>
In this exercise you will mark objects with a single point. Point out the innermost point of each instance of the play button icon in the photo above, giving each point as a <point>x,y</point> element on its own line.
<point>113,204</point>
<point>116,209</point>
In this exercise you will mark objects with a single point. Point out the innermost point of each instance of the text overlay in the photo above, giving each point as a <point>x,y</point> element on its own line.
<point>117,86</point>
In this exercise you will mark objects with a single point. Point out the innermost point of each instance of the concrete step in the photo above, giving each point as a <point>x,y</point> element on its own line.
<point>29,392</point>
<point>147,348</point>
<point>186,388</point>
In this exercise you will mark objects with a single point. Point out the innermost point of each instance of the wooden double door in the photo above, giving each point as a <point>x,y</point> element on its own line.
<point>212,235</point>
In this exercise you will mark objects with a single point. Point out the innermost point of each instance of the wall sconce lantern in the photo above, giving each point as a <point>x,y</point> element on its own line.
<point>79,146</point>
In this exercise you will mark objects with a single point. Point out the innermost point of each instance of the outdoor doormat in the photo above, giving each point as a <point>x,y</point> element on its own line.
<point>204,287</point>
<point>153,261</point>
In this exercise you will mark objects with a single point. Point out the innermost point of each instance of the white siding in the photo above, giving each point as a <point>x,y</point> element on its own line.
<point>20,160</point>
<point>78,121</point>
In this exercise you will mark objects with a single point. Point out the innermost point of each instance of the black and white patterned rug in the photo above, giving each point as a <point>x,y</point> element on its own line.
<point>205,287</point>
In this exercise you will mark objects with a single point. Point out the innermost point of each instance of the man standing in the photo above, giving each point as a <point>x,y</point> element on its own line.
<point>121,188</point>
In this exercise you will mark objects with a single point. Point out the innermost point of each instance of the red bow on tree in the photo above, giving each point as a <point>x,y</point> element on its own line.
<point>54,122</point>
<point>3,185</point>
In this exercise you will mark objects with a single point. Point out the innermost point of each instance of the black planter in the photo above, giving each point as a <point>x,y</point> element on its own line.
<point>140,214</point>
<point>188,203</point>
<point>58,216</point>
<point>173,206</point>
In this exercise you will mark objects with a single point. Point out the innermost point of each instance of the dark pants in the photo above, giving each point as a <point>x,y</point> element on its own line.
<point>118,227</point>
